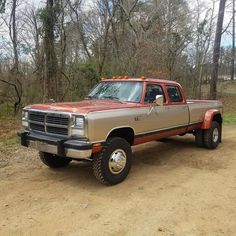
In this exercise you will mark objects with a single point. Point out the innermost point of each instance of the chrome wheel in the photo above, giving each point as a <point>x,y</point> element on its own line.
<point>215,135</point>
<point>117,161</point>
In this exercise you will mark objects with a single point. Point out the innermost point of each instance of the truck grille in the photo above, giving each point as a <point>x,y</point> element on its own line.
<point>57,120</point>
<point>51,123</point>
<point>37,127</point>
<point>36,117</point>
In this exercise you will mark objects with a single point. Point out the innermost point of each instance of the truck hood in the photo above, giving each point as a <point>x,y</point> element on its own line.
<point>83,107</point>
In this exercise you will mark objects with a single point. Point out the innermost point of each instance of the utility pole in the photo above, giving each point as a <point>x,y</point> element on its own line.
<point>233,43</point>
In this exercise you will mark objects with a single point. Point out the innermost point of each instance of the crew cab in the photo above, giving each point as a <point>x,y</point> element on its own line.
<point>117,114</point>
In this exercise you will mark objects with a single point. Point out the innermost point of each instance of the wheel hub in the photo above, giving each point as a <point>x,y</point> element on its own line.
<point>117,161</point>
<point>215,135</point>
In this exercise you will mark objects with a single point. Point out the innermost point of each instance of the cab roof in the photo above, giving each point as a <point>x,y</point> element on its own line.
<point>142,79</point>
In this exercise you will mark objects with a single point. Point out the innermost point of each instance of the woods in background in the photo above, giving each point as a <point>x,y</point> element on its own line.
<point>61,49</point>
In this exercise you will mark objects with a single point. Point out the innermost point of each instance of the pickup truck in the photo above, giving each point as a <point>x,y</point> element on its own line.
<point>117,114</point>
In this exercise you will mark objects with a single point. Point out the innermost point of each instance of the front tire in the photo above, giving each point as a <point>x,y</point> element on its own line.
<point>212,136</point>
<point>113,164</point>
<point>53,161</point>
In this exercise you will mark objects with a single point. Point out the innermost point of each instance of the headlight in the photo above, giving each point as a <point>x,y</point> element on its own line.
<point>25,116</point>
<point>78,128</point>
<point>79,122</point>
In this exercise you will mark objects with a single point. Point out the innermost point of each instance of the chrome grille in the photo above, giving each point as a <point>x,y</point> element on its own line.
<point>37,116</point>
<point>57,130</point>
<point>57,120</point>
<point>51,123</point>
<point>37,127</point>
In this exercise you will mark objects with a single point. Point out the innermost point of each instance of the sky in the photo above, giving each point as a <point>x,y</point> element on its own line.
<point>226,38</point>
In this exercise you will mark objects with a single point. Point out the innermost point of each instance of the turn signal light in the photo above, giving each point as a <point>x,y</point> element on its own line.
<point>97,147</point>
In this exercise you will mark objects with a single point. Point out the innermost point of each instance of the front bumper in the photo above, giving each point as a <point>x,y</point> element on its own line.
<point>71,148</point>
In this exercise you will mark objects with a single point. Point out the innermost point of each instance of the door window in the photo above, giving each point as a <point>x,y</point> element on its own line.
<point>152,90</point>
<point>174,93</point>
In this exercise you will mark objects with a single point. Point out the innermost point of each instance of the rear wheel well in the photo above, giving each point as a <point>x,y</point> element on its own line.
<point>217,118</point>
<point>125,133</point>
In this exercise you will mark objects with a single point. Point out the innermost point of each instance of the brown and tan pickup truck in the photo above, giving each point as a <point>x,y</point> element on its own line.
<point>117,114</point>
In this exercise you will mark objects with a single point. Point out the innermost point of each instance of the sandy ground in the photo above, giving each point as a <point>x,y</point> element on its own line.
<point>174,188</point>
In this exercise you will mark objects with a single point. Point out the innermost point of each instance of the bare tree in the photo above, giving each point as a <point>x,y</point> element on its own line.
<point>32,36</point>
<point>204,28</point>
<point>13,36</point>
<point>61,49</point>
<point>233,43</point>
<point>14,77</point>
<point>2,5</point>
<point>75,7</point>
<point>216,50</point>
<point>49,21</point>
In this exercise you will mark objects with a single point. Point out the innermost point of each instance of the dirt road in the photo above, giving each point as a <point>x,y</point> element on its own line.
<point>174,188</point>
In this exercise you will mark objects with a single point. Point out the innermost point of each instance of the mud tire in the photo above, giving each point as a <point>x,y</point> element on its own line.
<point>53,161</point>
<point>100,163</point>
<point>211,140</point>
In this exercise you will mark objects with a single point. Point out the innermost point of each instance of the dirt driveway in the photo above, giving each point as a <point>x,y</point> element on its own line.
<point>174,188</point>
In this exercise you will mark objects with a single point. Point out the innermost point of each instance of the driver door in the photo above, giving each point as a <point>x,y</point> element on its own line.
<point>155,117</point>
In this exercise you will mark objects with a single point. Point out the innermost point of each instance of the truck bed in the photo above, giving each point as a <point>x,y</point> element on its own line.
<point>197,109</point>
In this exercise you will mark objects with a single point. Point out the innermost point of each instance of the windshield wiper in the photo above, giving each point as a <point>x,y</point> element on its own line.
<point>112,98</point>
<point>104,97</point>
<point>89,97</point>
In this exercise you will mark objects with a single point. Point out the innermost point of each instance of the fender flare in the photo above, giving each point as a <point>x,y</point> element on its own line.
<point>121,128</point>
<point>208,117</point>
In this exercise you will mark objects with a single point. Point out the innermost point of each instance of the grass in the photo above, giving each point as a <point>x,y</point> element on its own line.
<point>6,110</point>
<point>13,141</point>
<point>8,132</point>
<point>224,88</point>
<point>226,94</point>
<point>227,87</point>
<point>230,119</point>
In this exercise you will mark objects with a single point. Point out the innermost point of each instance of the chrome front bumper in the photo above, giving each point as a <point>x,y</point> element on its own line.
<point>62,147</point>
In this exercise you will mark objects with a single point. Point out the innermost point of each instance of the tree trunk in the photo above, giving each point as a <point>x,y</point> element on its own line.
<point>15,68</point>
<point>50,55</point>
<point>15,75</point>
<point>63,45</point>
<point>216,50</point>
<point>233,43</point>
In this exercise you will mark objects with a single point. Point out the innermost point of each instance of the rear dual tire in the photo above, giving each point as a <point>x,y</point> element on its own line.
<point>212,136</point>
<point>199,137</point>
<point>209,138</point>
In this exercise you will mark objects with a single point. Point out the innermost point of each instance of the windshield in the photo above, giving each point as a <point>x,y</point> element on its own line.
<point>119,90</point>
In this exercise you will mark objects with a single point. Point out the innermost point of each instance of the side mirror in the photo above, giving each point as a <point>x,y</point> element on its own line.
<point>159,100</point>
